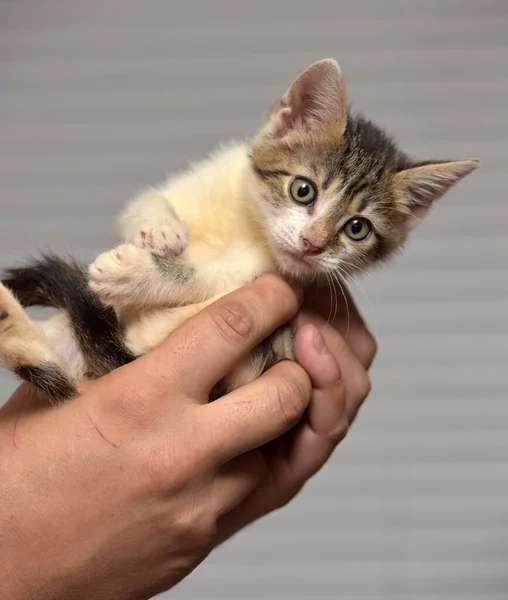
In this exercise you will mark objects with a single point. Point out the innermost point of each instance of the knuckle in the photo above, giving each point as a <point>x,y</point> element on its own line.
<point>276,287</point>
<point>154,466</point>
<point>292,398</point>
<point>234,320</point>
<point>194,527</point>
<point>338,433</point>
<point>278,292</point>
<point>370,348</point>
<point>168,468</point>
<point>363,387</point>
<point>287,494</point>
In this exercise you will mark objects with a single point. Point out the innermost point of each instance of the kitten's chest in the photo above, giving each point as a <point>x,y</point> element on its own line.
<point>214,202</point>
<point>230,243</point>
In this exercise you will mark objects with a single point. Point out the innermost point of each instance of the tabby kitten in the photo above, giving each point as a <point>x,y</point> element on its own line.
<point>317,193</point>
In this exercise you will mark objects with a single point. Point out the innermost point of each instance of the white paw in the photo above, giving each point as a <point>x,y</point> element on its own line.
<point>13,319</point>
<point>7,306</point>
<point>170,237</point>
<point>113,274</point>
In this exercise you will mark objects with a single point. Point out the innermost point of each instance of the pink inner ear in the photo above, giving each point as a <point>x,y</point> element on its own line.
<point>425,184</point>
<point>315,99</point>
<point>282,121</point>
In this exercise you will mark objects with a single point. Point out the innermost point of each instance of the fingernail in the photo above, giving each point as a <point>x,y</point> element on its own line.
<point>319,343</point>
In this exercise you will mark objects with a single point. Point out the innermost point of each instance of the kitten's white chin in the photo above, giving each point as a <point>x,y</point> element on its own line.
<point>294,267</point>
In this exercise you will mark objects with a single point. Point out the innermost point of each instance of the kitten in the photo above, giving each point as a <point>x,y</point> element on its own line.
<point>318,193</point>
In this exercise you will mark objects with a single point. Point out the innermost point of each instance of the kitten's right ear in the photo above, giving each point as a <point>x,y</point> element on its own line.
<point>421,185</point>
<point>315,100</point>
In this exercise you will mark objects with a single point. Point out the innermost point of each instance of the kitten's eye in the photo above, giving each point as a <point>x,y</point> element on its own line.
<point>302,191</point>
<point>358,229</point>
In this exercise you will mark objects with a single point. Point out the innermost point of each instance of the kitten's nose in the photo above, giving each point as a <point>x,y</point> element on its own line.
<point>309,249</point>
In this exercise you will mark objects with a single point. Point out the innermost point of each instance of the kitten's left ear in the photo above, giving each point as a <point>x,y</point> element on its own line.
<point>315,100</point>
<point>422,185</point>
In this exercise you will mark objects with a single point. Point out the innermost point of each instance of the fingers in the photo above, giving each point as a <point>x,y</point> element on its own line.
<point>348,320</point>
<point>236,480</point>
<point>327,411</point>
<point>206,347</point>
<point>327,422</point>
<point>255,414</point>
<point>355,378</point>
<point>294,458</point>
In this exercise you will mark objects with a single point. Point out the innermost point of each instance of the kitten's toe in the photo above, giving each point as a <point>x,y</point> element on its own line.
<point>171,238</point>
<point>112,274</point>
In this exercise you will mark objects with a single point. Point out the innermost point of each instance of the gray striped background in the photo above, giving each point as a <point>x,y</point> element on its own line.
<point>99,98</point>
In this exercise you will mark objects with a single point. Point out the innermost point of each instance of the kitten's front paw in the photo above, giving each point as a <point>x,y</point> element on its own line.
<point>168,238</point>
<point>114,274</point>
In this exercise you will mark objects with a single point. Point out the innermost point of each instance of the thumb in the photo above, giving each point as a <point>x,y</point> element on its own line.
<point>206,347</point>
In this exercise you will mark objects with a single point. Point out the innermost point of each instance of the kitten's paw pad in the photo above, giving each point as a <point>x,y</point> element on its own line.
<point>112,272</point>
<point>165,239</point>
<point>116,263</point>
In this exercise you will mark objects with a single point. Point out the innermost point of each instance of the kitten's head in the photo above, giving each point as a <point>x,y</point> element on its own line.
<point>335,192</point>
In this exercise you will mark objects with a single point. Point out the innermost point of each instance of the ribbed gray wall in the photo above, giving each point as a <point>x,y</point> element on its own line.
<point>99,98</point>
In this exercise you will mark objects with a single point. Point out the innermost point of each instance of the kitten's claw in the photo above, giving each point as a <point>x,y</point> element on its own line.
<point>170,238</point>
<point>113,273</point>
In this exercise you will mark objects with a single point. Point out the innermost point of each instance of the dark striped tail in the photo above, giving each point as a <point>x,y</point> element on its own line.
<point>50,379</point>
<point>59,283</point>
<point>28,353</point>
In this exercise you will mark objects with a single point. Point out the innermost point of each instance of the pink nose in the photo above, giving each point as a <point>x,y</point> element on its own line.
<point>309,249</point>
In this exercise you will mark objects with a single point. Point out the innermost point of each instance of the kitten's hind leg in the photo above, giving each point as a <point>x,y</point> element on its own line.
<point>25,351</point>
<point>132,276</point>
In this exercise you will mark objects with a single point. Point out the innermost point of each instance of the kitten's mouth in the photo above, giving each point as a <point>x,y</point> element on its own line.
<point>294,263</point>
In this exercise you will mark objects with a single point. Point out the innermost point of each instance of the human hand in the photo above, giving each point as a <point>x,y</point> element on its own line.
<point>338,372</point>
<point>121,492</point>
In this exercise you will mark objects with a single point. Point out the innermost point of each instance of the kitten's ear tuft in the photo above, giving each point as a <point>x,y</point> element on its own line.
<point>423,184</point>
<point>315,100</point>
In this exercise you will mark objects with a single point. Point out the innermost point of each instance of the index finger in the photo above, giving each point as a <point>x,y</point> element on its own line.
<point>205,348</point>
<point>254,414</point>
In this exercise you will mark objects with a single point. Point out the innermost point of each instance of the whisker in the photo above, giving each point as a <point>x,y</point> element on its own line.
<point>371,306</point>
<point>336,277</point>
<point>330,289</point>
<point>355,267</point>
<point>336,302</point>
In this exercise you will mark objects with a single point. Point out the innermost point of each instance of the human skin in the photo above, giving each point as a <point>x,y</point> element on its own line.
<point>123,491</point>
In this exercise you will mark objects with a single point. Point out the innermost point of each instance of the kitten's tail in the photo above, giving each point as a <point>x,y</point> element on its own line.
<point>26,352</point>
<point>63,283</point>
